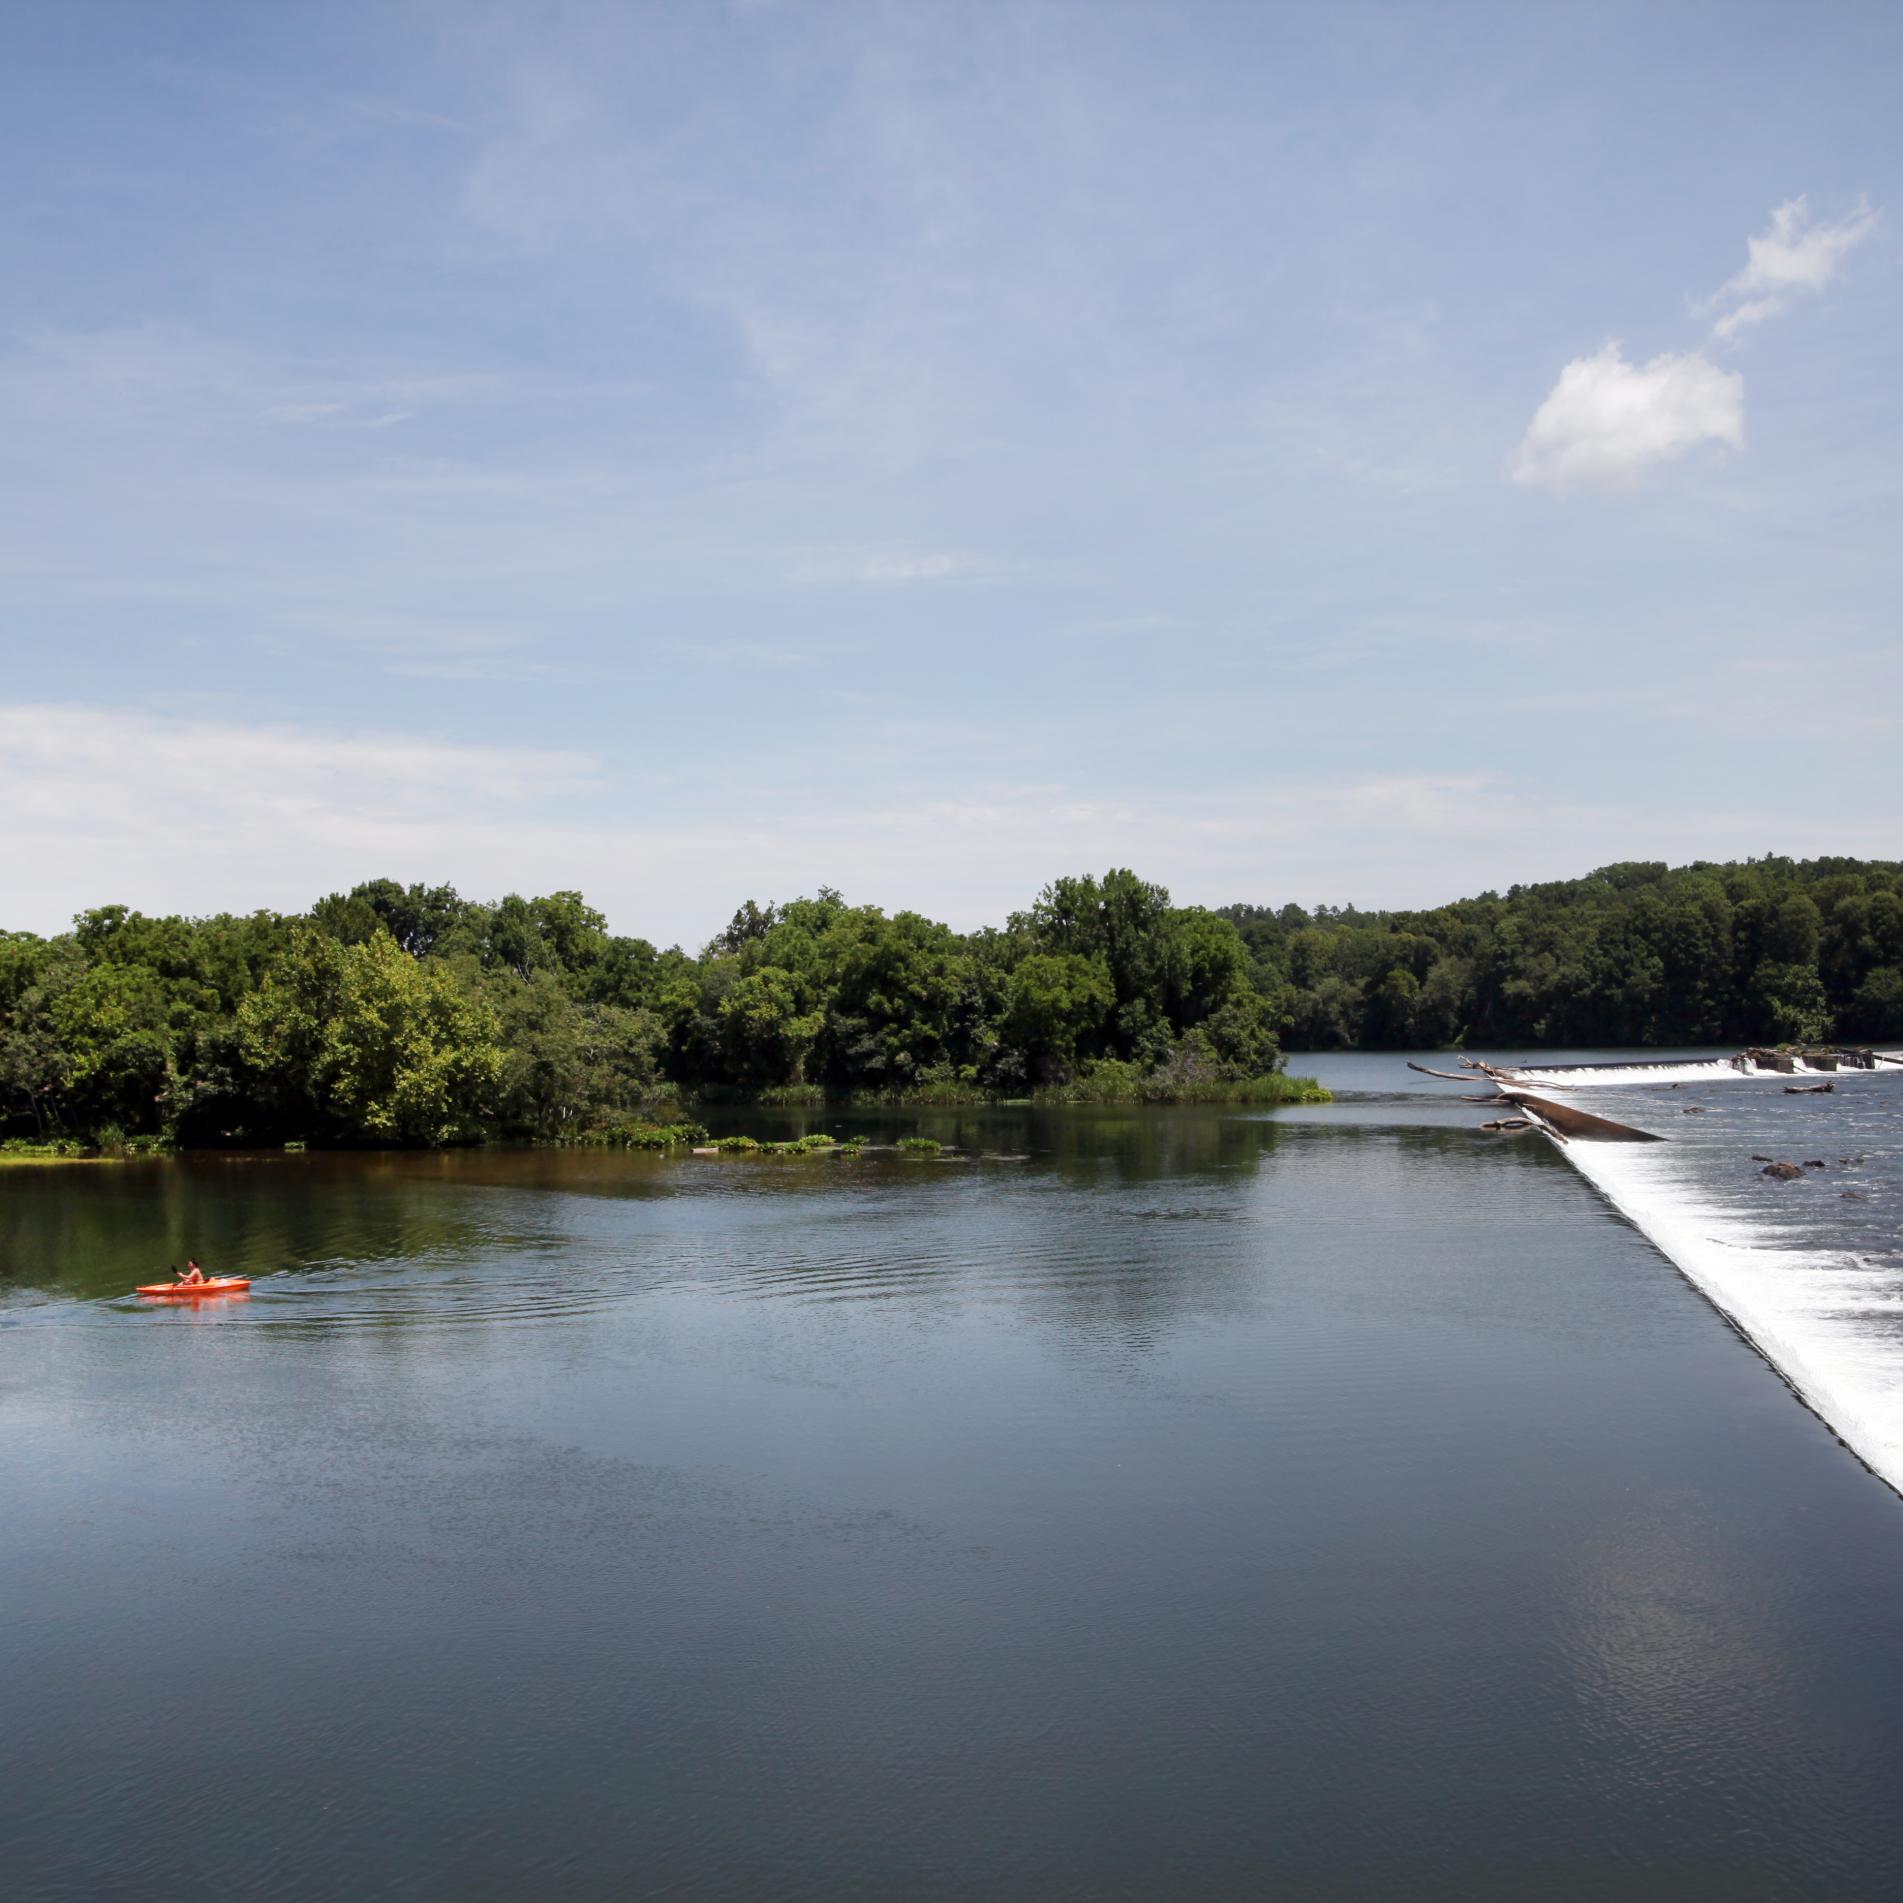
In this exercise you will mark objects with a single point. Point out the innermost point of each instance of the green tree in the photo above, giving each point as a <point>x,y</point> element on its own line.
<point>1876,1011</point>
<point>112,1024</point>
<point>1387,1021</point>
<point>569,1064</point>
<point>1056,1000</point>
<point>766,1029</point>
<point>372,1045</point>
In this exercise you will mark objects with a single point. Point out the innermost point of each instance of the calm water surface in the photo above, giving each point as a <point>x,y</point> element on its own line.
<point>1127,1504</point>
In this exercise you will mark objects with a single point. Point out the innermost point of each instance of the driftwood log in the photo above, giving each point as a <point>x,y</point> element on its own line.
<point>1559,1121</point>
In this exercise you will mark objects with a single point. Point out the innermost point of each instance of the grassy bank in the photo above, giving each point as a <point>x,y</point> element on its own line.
<point>25,1150</point>
<point>668,1125</point>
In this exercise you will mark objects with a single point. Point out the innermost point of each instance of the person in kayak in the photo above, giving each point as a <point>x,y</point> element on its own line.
<point>193,1273</point>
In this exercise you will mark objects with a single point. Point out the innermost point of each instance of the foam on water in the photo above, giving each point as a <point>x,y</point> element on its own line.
<point>1712,1070</point>
<point>1715,1070</point>
<point>1811,1270</point>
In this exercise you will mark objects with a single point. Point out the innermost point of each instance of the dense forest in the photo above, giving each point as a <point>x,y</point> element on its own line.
<point>1770,951</point>
<point>396,1014</point>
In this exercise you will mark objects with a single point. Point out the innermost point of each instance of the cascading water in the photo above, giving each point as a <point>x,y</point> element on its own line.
<point>1809,1267</point>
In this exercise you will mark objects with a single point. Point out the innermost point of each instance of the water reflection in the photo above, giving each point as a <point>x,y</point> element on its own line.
<point>1115,1223</point>
<point>1211,1504</point>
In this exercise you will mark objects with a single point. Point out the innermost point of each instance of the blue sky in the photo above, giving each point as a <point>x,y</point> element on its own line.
<point>701,452</point>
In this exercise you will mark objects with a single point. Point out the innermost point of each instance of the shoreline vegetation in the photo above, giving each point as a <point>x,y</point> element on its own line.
<point>408,1016</point>
<point>666,1130</point>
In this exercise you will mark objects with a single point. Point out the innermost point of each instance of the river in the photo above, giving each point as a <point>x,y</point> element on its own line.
<point>1331,1503</point>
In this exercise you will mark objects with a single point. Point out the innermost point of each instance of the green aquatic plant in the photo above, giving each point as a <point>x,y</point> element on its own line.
<point>637,1135</point>
<point>920,1146</point>
<point>790,1096</point>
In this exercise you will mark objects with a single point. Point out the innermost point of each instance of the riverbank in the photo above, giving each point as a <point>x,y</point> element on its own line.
<point>26,1150</point>
<point>672,1121</point>
<point>35,1162</point>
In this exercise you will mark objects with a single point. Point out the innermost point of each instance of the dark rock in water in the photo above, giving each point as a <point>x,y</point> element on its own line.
<point>1693,1110</point>
<point>1784,1172</point>
<point>1848,1162</point>
<point>1813,1163</point>
<point>1756,1158</point>
<point>1855,1196</point>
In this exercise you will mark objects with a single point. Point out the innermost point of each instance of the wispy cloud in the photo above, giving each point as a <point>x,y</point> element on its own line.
<point>882,567</point>
<point>1792,256</point>
<point>301,103</point>
<point>127,376</point>
<point>716,652</point>
<point>202,815</point>
<point>414,647</point>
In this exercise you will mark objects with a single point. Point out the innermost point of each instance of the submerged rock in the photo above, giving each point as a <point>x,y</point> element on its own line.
<point>1784,1172</point>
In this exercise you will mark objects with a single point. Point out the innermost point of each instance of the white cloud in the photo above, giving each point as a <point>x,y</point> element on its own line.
<point>1792,256</point>
<point>112,805</point>
<point>880,566</point>
<point>1607,423</point>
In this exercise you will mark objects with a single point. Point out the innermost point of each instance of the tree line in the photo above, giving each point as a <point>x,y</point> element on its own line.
<point>409,1014</point>
<point>1765,952</point>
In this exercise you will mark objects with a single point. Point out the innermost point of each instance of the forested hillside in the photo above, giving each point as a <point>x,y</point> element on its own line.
<point>1770,951</point>
<point>397,1014</point>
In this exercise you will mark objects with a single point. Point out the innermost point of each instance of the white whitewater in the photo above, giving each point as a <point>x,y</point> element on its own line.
<point>1708,1070</point>
<point>1809,1270</point>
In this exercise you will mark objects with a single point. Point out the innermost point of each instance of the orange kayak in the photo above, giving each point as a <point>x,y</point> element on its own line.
<point>215,1285</point>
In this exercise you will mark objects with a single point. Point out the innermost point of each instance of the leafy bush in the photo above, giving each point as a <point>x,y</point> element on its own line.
<point>643,1136</point>
<point>1112,1082</point>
